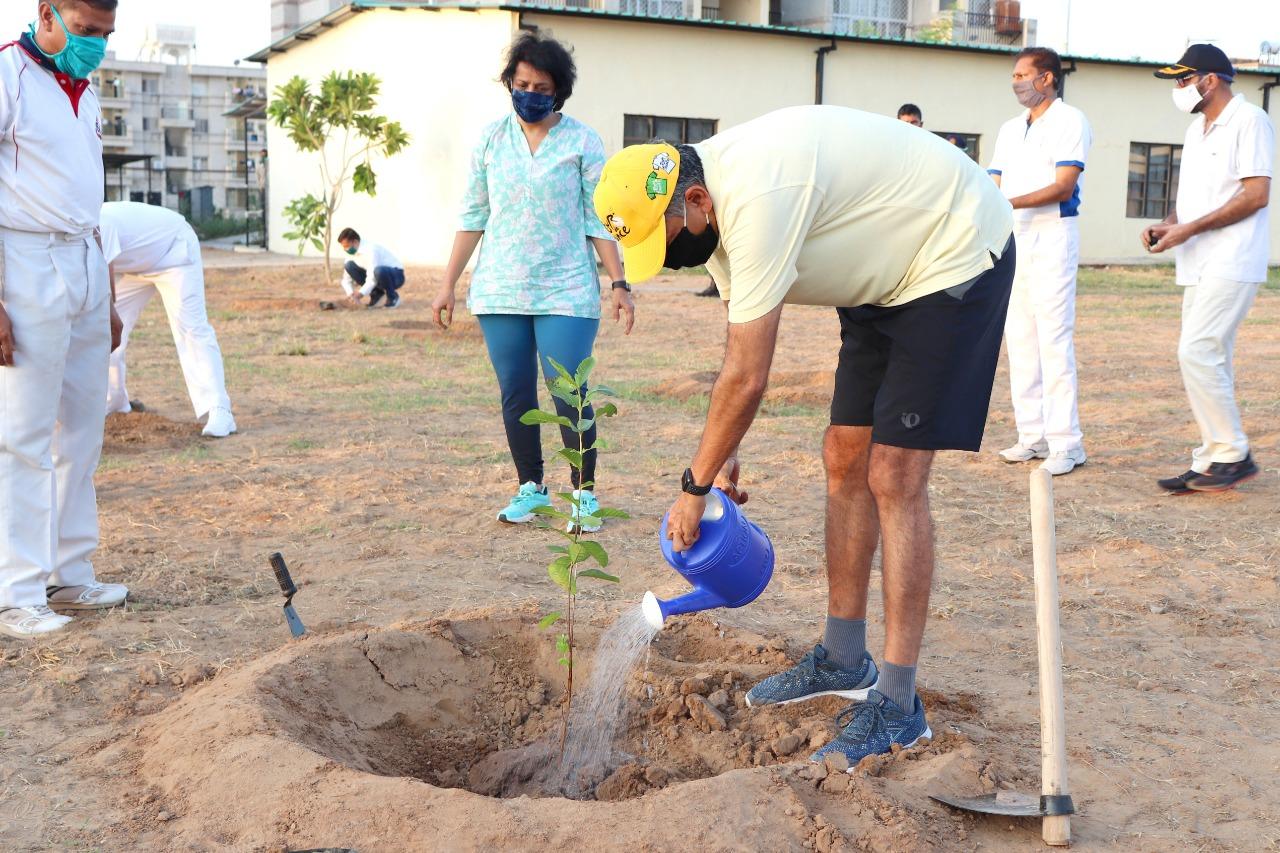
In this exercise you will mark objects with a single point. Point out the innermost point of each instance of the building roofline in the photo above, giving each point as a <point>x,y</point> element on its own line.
<point>342,13</point>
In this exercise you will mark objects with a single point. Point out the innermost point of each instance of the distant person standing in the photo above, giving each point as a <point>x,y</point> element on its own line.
<point>1039,158</point>
<point>1219,229</point>
<point>153,250</point>
<point>911,114</point>
<point>535,290</point>
<point>57,322</point>
<point>372,268</point>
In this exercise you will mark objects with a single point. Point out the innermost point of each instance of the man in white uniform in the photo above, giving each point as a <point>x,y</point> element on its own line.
<point>1219,227</point>
<point>910,242</point>
<point>1039,157</point>
<point>56,318</point>
<point>156,251</point>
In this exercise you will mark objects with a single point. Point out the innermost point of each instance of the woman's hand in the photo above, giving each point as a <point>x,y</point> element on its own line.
<point>624,305</point>
<point>117,327</point>
<point>442,307</point>
<point>6,339</point>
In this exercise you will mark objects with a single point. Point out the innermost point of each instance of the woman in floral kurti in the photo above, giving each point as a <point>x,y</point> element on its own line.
<point>535,290</point>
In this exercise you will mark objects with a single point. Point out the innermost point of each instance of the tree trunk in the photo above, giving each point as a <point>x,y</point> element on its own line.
<point>328,245</point>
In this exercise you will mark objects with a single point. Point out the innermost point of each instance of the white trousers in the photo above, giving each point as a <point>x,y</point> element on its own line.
<point>1040,335</point>
<point>56,292</point>
<point>1212,312</point>
<point>181,290</point>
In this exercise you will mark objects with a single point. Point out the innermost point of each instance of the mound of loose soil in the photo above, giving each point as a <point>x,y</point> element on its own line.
<point>794,387</point>
<point>433,736</point>
<point>462,328</point>
<point>138,431</point>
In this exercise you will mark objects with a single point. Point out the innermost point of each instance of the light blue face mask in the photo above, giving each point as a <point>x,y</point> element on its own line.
<point>82,55</point>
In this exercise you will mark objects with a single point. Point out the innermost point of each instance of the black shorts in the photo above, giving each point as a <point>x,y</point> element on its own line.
<point>920,374</point>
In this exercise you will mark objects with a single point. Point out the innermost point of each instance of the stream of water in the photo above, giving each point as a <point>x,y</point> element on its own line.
<point>599,709</point>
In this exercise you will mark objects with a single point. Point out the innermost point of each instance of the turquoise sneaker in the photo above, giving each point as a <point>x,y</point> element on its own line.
<point>589,506</point>
<point>522,506</point>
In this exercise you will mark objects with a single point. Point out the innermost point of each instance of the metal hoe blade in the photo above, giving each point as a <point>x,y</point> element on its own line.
<point>1010,804</point>
<point>295,624</point>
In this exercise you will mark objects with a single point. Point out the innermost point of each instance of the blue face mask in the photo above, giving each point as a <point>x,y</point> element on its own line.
<point>533,107</point>
<point>82,55</point>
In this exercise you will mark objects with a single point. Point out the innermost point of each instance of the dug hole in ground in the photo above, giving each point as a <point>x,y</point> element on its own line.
<point>372,455</point>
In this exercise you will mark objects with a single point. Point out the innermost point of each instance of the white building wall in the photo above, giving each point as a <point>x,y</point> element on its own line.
<point>631,67</point>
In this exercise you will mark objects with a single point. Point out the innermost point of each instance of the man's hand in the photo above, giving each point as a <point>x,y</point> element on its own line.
<point>117,328</point>
<point>356,297</point>
<point>624,306</point>
<point>727,481</point>
<point>6,340</point>
<point>683,519</point>
<point>442,307</point>
<point>1168,236</point>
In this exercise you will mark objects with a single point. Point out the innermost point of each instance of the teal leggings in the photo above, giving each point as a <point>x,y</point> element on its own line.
<point>516,343</point>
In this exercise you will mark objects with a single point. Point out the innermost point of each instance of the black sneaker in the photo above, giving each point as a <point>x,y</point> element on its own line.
<point>375,296</point>
<point>709,290</point>
<point>1225,475</point>
<point>1178,485</point>
<point>393,299</point>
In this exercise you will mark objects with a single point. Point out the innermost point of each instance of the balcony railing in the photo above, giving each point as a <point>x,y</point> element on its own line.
<point>876,18</point>
<point>110,129</point>
<point>178,113</point>
<point>957,27</point>
<point>654,8</point>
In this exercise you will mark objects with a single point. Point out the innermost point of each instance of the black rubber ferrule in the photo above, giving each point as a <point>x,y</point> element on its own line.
<point>1055,805</point>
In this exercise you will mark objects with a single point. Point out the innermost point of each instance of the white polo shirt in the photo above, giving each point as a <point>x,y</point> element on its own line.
<point>1239,144</point>
<point>1027,157</point>
<point>141,239</point>
<point>51,173</point>
<point>824,205</point>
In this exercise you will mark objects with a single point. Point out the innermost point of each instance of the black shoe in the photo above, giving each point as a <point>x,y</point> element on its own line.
<point>1178,485</point>
<point>393,299</point>
<point>709,290</point>
<point>375,296</point>
<point>1225,475</point>
<point>137,406</point>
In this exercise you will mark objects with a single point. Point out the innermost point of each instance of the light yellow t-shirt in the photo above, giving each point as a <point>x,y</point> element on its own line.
<point>832,206</point>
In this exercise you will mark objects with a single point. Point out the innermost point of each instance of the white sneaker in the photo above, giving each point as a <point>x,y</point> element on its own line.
<point>91,596</point>
<point>220,423</point>
<point>1064,462</point>
<point>1025,452</point>
<point>27,622</point>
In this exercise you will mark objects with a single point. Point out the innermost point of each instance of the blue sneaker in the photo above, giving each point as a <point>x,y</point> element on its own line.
<point>814,677</point>
<point>873,727</point>
<point>589,506</point>
<point>521,508</point>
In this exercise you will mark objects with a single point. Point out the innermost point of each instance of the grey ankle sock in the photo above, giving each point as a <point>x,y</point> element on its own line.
<point>899,684</point>
<point>845,641</point>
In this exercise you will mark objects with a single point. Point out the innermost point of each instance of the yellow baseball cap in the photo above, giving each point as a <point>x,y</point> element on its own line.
<point>631,198</point>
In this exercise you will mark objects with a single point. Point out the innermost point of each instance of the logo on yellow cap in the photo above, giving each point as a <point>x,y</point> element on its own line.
<point>631,198</point>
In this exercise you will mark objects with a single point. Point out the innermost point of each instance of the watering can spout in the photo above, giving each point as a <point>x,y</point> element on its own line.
<point>656,611</point>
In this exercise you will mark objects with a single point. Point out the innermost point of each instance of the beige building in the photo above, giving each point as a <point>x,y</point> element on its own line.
<point>165,138</point>
<point>648,70</point>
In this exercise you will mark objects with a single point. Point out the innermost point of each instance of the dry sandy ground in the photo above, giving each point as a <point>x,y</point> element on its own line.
<point>372,455</point>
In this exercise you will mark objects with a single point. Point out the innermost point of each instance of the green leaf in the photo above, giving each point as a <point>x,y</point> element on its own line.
<point>574,457</point>
<point>558,571</point>
<point>596,550</point>
<point>583,373</point>
<point>557,549</point>
<point>605,512</point>
<point>364,180</point>
<point>600,444</point>
<point>564,389</point>
<point>606,391</point>
<point>549,620</point>
<point>608,410</point>
<point>577,554</point>
<point>537,416</point>
<point>564,662</point>
<point>560,370</point>
<point>598,575</point>
<point>589,520</point>
<point>562,643</point>
<point>584,424</point>
<point>550,512</point>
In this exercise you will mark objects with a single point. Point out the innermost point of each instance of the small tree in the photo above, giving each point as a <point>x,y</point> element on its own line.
<point>566,569</point>
<point>338,119</point>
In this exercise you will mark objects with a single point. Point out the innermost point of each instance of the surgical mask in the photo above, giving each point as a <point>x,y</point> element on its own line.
<point>533,107</point>
<point>689,249</point>
<point>1187,98</point>
<point>351,250</point>
<point>82,55</point>
<point>1027,94</point>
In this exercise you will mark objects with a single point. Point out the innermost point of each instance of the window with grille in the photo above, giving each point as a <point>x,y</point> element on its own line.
<point>1153,179</point>
<point>637,130</point>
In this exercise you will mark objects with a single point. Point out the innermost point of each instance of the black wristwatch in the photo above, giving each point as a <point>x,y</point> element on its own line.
<point>622,285</point>
<point>688,486</point>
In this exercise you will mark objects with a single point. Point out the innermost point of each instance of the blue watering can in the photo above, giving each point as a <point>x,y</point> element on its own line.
<point>729,565</point>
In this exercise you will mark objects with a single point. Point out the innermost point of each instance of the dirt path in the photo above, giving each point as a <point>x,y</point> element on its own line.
<point>371,454</point>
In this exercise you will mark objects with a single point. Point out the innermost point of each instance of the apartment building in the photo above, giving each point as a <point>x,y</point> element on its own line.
<point>165,138</point>
<point>683,70</point>
<point>289,15</point>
